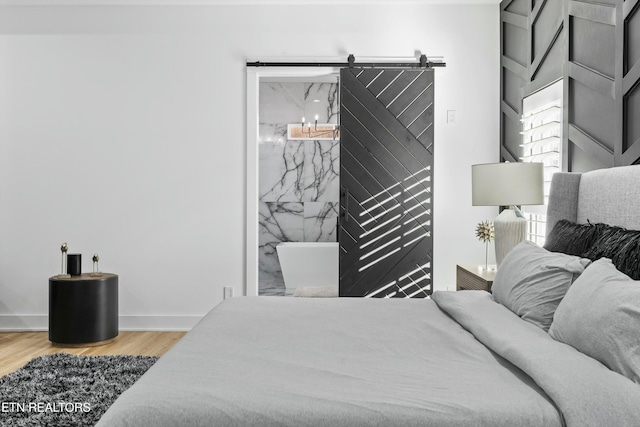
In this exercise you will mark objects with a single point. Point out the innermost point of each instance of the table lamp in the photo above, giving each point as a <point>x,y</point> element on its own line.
<point>510,185</point>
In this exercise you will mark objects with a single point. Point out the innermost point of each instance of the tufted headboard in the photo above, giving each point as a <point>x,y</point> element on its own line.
<point>610,196</point>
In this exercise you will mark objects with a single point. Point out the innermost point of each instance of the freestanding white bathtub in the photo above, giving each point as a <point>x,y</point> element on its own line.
<point>308,263</point>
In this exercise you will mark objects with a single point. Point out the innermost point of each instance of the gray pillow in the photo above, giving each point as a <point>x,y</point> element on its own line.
<point>600,317</point>
<point>531,281</point>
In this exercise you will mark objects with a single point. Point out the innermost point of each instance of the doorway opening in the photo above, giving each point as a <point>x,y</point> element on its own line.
<point>298,182</point>
<point>292,184</point>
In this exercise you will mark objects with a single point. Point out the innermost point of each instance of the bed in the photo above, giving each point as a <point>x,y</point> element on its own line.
<point>464,358</point>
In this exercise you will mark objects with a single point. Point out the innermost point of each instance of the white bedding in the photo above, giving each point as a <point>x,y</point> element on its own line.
<point>273,361</point>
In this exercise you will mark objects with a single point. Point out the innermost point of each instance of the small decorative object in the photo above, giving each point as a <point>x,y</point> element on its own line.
<point>96,270</point>
<point>485,233</point>
<point>63,268</point>
<point>74,264</point>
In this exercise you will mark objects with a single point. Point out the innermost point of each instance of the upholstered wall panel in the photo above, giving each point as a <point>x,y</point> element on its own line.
<point>548,67</point>
<point>632,117</point>
<point>594,48</point>
<point>547,34</point>
<point>511,86</point>
<point>514,38</point>
<point>582,161</point>
<point>592,112</point>
<point>591,45</point>
<point>632,38</point>
<point>545,25</point>
<point>519,7</point>
<point>629,84</point>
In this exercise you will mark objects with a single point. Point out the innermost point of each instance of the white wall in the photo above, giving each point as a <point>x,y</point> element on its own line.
<point>122,132</point>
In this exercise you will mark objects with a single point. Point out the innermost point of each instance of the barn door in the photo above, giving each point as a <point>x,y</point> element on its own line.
<point>386,169</point>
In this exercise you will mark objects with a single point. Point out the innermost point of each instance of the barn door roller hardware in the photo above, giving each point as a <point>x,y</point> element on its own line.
<point>422,62</point>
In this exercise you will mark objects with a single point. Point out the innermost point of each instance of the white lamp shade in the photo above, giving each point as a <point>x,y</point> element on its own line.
<point>507,184</point>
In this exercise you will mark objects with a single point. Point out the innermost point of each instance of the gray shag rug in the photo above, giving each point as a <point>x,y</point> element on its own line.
<point>67,390</point>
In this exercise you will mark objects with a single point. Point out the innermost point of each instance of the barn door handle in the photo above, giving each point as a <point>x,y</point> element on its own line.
<point>345,211</point>
<point>346,206</point>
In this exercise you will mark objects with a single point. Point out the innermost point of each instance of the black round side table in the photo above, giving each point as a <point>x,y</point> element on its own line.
<point>83,310</point>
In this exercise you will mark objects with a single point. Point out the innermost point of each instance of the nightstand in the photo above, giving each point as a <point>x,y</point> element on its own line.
<point>83,310</point>
<point>473,278</point>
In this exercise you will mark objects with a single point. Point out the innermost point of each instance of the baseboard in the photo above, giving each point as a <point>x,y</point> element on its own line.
<point>157,323</point>
<point>17,323</point>
<point>33,323</point>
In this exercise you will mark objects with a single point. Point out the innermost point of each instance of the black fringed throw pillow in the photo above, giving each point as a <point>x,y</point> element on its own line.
<point>622,247</point>
<point>573,239</point>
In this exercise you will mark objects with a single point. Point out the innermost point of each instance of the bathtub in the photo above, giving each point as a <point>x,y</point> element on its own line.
<point>308,263</point>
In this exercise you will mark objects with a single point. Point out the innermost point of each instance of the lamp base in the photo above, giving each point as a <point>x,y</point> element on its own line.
<point>510,229</point>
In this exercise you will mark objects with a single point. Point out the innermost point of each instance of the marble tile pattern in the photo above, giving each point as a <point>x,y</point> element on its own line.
<point>281,103</point>
<point>281,163</point>
<point>321,171</point>
<point>320,221</point>
<point>298,180</point>
<point>278,222</point>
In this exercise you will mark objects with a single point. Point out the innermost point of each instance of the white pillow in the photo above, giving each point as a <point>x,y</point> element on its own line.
<point>600,317</point>
<point>531,281</point>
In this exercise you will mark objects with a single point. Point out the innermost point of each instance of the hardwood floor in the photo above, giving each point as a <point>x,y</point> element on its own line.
<point>17,348</point>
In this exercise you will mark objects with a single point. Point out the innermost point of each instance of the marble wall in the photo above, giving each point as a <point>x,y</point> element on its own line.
<point>298,180</point>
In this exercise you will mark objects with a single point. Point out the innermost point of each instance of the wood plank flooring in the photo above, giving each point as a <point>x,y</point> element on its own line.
<point>17,348</point>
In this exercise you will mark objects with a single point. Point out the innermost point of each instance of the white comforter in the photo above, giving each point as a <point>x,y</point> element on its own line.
<point>277,361</point>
